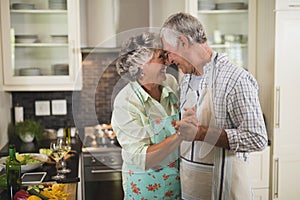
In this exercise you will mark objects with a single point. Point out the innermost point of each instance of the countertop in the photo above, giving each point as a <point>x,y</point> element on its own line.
<point>72,161</point>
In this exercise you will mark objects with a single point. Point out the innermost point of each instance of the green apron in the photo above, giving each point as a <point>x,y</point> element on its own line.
<point>162,182</point>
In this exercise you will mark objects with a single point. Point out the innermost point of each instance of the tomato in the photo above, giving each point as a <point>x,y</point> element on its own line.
<point>21,195</point>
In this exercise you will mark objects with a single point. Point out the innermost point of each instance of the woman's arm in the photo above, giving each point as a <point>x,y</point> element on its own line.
<point>158,152</point>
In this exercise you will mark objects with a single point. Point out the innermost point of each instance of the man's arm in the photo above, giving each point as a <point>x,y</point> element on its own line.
<point>213,136</point>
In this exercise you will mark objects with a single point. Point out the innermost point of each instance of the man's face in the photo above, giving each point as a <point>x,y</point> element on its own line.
<point>179,56</point>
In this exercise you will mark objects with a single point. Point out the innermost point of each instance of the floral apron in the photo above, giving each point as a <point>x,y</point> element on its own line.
<point>162,182</point>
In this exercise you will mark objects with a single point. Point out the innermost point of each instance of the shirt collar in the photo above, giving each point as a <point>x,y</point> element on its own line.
<point>166,91</point>
<point>208,65</point>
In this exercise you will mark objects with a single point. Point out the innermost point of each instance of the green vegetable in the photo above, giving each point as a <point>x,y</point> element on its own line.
<point>45,151</point>
<point>31,126</point>
<point>26,159</point>
<point>3,181</point>
<point>34,192</point>
<point>37,188</point>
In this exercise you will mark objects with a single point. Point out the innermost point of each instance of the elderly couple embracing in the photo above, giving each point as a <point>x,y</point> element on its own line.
<point>189,140</point>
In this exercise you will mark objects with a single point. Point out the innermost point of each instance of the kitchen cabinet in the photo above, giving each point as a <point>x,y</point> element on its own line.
<point>286,154</point>
<point>230,28</point>
<point>5,102</point>
<point>259,173</point>
<point>287,4</point>
<point>41,45</point>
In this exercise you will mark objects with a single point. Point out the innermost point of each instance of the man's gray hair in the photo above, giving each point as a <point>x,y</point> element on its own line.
<point>183,24</point>
<point>135,52</point>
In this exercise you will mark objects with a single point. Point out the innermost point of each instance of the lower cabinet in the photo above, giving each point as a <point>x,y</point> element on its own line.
<point>259,173</point>
<point>261,194</point>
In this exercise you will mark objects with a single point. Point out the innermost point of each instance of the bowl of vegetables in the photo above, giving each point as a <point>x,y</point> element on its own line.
<point>29,161</point>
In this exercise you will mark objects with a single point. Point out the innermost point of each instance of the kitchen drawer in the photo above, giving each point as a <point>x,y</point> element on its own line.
<point>101,174</point>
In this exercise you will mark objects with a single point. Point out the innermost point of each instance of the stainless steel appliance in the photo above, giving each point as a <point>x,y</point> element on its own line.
<point>101,174</point>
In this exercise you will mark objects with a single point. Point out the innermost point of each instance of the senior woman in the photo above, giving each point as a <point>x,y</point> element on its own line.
<point>144,118</point>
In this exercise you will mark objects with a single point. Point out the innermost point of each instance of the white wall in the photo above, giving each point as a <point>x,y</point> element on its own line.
<point>160,10</point>
<point>83,23</point>
<point>100,21</point>
<point>133,14</point>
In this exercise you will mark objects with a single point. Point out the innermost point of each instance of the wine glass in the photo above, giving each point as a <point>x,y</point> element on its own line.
<point>57,154</point>
<point>66,147</point>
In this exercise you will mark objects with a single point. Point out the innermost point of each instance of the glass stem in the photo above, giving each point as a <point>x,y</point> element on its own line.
<point>57,171</point>
<point>63,164</point>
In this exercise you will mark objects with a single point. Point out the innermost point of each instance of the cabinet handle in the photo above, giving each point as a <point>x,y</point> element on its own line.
<point>277,107</point>
<point>100,171</point>
<point>294,3</point>
<point>294,6</point>
<point>73,66</point>
<point>276,177</point>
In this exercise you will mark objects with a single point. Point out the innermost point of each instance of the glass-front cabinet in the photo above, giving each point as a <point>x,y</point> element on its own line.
<point>41,47</point>
<point>230,27</point>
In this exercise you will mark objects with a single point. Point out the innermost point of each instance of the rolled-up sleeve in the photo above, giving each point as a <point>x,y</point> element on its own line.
<point>245,113</point>
<point>130,120</point>
<point>133,136</point>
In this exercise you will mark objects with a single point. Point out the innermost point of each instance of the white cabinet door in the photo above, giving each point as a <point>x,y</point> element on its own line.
<point>287,176</point>
<point>260,168</point>
<point>50,59</point>
<point>287,4</point>
<point>287,108</point>
<point>259,174</point>
<point>261,194</point>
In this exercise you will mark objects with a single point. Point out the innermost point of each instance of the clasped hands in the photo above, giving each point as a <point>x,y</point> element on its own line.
<point>187,127</point>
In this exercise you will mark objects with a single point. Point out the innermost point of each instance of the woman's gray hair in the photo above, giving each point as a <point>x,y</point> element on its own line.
<point>135,52</point>
<point>183,24</point>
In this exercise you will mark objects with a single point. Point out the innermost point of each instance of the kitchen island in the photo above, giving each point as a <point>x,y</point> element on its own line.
<point>72,178</point>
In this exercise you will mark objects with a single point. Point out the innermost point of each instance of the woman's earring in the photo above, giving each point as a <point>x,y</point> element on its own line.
<point>142,75</point>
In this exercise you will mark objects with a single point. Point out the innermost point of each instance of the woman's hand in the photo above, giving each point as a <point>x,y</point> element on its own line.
<point>189,112</point>
<point>188,125</point>
<point>188,128</point>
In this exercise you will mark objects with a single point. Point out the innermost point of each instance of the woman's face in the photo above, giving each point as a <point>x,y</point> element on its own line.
<point>155,70</point>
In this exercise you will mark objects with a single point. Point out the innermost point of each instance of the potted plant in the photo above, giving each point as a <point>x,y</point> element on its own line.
<point>29,129</point>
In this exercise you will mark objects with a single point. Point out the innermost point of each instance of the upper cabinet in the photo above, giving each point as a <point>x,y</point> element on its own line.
<point>287,4</point>
<point>41,45</point>
<point>230,28</point>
